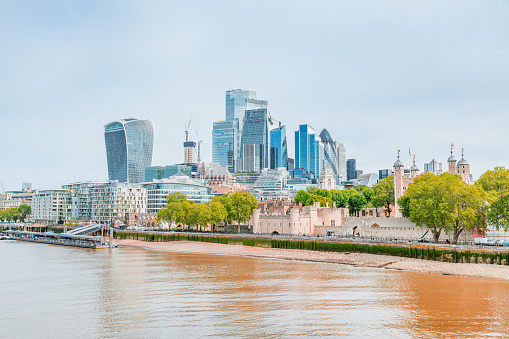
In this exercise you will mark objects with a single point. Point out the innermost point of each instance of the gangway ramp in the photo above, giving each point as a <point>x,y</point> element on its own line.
<point>85,229</point>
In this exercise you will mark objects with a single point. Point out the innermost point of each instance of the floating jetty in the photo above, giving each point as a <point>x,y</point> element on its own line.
<point>61,239</point>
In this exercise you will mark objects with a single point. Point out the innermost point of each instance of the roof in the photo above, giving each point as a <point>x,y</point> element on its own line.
<point>462,162</point>
<point>325,136</point>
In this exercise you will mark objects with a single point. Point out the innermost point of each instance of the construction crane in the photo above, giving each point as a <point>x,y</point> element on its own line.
<point>271,120</point>
<point>199,145</point>
<point>187,129</point>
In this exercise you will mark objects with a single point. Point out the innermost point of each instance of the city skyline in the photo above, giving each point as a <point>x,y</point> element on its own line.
<point>402,76</point>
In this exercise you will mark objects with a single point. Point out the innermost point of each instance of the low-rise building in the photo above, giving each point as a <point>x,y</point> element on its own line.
<point>158,190</point>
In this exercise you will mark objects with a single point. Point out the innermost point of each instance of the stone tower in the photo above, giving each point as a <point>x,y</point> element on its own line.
<point>399,170</point>
<point>452,163</point>
<point>463,168</point>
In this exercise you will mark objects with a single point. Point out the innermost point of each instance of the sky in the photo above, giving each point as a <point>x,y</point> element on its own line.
<point>379,75</point>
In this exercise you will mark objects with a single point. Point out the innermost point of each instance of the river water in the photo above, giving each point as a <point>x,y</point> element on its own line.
<point>49,291</point>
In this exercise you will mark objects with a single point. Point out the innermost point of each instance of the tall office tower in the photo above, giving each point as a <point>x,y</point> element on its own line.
<point>291,164</point>
<point>307,150</point>
<point>224,143</point>
<point>330,156</point>
<point>278,148</point>
<point>237,102</point>
<point>129,145</point>
<point>341,152</point>
<point>351,169</point>
<point>252,157</point>
<point>256,131</point>
<point>189,152</point>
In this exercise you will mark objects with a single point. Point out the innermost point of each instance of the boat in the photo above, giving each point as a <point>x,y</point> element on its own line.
<point>5,237</point>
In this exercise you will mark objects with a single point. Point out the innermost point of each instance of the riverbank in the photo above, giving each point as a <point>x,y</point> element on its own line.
<point>355,259</point>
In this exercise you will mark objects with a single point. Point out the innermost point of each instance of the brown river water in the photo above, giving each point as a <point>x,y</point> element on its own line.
<point>49,291</point>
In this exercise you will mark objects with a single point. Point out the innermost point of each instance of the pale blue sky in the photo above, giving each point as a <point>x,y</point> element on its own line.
<point>379,75</point>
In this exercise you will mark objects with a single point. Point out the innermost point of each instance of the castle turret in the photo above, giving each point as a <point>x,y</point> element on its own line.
<point>463,168</point>
<point>452,163</point>
<point>414,170</point>
<point>399,170</point>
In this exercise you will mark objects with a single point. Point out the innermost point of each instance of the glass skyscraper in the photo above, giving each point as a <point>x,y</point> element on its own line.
<point>307,150</point>
<point>330,156</point>
<point>224,143</point>
<point>237,102</point>
<point>256,131</point>
<point>278,148</point>
<point>129,145</point>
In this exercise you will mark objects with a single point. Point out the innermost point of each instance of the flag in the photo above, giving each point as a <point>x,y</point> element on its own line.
<point>409,153</point>
<point>452,144</point>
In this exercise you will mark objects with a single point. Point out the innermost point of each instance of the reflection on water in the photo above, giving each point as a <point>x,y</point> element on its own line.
<point>52,291</point>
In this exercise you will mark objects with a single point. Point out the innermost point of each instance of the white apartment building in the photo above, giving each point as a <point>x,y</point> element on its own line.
<point>50,206</point>
<point>111,200</point>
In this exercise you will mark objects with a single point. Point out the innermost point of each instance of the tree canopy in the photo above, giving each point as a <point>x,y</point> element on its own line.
<point>383,194</point>
<point>230,207</point>
<point>496,183</point>
<point>444,203</point>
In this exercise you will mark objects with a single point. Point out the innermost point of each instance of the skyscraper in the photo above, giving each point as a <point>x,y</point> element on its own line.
<point>351,169</point>
<point>237,102</point>
<point>256,131</point>
<point>307,150</point>
<point>341,152</point>
<point>129,145</point>
<point>224,143</point>
<point>330,157</point>
<point>278,148</point>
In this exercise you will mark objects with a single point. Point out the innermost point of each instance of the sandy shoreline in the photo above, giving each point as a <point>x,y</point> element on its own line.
<point>356,259</point>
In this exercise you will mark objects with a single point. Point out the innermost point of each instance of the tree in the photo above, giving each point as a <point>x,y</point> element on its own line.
<point>302,196</point>
<point>367,193</point>
<point>445,203</point>
<point>226,201</point>
<point>321,199</point>
<point>496,183</point>
<point>242,206</point>
<point>322,192</point>
<point>24,211</point>
<point>339,198</point>
<point>404,205</point>
<point>356,202</point>
<point>383,194</point>
<point>176,197</point>
<point>217,214</point>
<point>311,189</point>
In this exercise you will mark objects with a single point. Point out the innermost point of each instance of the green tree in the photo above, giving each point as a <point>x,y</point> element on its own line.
<point>340,198</point>
<point>24,211</point>
<point>226,201</point>
<point>356,202</point>
<point>383,194</point>
<point>217,214</point>
<point>321,199</point>
<point>323,192</point>
<point>302,196</point>
<point>311,189</point>
<point>445,203</point>
<point>404,205</point>
<point>496,183</point>
<point>176,197</point>
<point>242,205</point>
<point>367,193</point>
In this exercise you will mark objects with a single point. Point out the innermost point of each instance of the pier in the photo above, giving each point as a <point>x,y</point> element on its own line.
<point>85,241</point>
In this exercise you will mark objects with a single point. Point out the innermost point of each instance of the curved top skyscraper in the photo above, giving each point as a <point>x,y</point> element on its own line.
<point>129,145</point>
